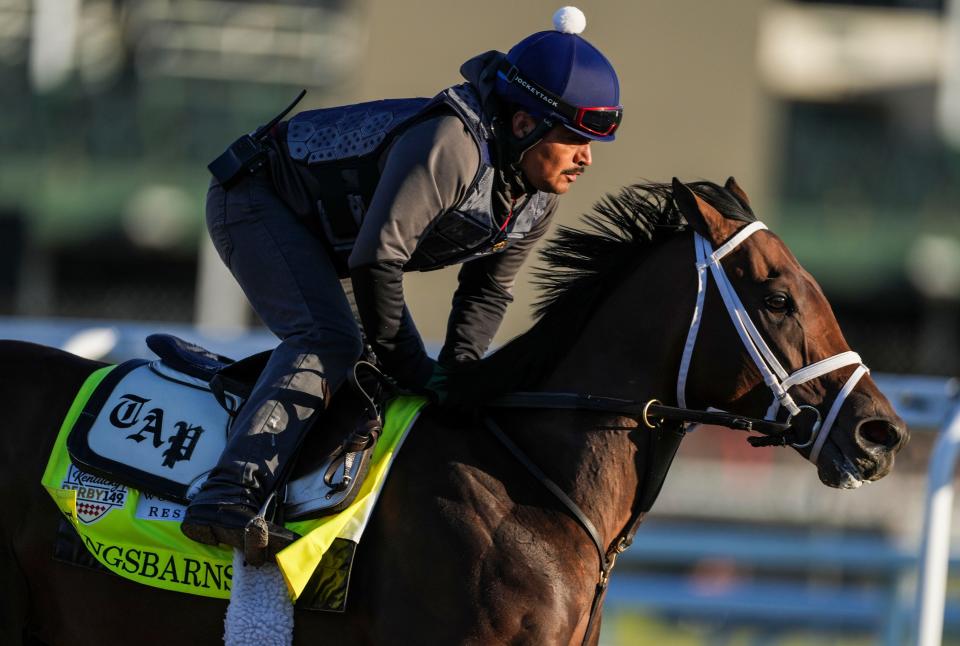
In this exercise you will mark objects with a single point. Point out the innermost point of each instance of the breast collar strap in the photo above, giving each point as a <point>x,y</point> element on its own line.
<point>608,557</point>
<point>774,375</point>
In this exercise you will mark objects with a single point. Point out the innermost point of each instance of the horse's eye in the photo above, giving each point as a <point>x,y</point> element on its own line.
<point>777,302</point>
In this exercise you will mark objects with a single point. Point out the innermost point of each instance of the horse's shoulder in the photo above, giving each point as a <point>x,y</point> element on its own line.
<point>447,459</point>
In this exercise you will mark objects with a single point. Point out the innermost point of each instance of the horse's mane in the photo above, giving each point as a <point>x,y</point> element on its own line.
<point>580,267</point>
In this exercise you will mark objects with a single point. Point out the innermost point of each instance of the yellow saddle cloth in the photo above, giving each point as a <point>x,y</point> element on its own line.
<point>137,535</point>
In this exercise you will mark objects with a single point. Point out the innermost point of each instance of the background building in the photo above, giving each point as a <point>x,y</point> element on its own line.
<point>826,114</point>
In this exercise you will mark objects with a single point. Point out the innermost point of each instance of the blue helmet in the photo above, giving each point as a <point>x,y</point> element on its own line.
<point>559,76</point>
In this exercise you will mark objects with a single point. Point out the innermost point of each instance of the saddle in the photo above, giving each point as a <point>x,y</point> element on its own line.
<point>160,426</point>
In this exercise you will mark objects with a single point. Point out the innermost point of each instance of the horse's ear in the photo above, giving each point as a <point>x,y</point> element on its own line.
<point>705,220</point>
<point>741,195</point>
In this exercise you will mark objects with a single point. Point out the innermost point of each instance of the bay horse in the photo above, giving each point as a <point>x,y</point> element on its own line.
<point>465,546</point>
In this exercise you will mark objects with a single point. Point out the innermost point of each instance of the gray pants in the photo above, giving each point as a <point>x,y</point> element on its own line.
<point>289,279</point>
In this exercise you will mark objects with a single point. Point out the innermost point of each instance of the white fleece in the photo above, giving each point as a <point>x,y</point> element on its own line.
<point>260,612</point>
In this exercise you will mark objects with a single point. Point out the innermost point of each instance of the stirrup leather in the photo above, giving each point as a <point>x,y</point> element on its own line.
<point>335,483</point>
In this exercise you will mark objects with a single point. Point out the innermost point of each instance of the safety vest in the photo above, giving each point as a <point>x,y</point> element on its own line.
<point>342,147</point>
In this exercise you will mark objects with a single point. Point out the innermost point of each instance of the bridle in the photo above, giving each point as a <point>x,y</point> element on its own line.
<point>774,375</point>
<point>652,412</point>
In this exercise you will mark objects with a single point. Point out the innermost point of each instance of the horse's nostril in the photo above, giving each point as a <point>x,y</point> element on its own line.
<point>879,432</point>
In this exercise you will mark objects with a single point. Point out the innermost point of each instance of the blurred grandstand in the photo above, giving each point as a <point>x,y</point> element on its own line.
<point>837,118</point>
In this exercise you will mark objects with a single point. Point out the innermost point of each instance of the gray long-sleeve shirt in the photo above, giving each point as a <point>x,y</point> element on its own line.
<point>427,172</point>
<point>424,173</point>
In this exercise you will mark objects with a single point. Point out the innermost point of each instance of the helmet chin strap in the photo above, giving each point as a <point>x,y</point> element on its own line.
<point>519,146</point>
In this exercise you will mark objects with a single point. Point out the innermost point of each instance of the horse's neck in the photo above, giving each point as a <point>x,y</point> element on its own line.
<point>631,349</point>
<point>632,345</point>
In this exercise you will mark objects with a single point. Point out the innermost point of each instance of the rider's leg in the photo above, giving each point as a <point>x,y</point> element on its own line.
<point>293,286</point>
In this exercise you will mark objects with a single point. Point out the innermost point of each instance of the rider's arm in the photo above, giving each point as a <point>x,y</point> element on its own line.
<point>427,171</point>
<point>485,290</point>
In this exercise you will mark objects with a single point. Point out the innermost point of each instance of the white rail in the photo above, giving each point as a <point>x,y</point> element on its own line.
<point>935,550</point>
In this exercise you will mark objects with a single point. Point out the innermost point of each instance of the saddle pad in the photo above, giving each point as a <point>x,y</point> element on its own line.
<point>152,427</point>
<point>137,536</point>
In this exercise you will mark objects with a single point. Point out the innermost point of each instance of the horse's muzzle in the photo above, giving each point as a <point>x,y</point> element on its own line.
<point>863,454</point>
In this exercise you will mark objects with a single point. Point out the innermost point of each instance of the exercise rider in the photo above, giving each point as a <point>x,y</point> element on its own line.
<point>374,190</point>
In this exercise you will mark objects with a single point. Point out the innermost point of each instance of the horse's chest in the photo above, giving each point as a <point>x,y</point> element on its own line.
<point>523,583</point>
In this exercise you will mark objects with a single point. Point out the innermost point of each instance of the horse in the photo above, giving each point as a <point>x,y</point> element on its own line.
<point>466,546</point>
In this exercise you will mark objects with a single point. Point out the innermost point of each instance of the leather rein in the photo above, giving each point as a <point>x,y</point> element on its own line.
<point>652,413</point>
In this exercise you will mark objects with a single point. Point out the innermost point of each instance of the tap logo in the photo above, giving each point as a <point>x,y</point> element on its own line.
<point>127,415</point>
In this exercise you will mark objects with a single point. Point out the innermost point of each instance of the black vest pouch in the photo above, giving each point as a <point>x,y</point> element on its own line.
<point>241,158</point>
<point>247,154</point>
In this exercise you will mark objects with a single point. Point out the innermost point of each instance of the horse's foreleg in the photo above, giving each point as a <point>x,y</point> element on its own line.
<point>16,604</point>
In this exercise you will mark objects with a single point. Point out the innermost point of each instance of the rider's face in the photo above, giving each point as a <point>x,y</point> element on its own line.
<point>555,162</point>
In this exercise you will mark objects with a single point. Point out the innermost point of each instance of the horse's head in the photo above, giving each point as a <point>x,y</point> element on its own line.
<point>771,346</point>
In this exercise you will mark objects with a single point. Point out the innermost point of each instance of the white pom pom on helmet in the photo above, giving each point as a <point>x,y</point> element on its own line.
<point>569,20</point>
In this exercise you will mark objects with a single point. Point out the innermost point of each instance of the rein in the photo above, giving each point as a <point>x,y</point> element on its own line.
<point>652,413</point>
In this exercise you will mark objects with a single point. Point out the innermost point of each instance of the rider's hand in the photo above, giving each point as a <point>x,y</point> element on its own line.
<point>438,385</point>
<point>447,387</point>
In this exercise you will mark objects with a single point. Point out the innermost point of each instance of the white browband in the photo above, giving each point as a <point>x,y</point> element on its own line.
<point>777,379</point>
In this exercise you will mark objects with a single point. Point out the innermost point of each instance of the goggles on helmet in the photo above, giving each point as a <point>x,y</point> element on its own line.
<point>602,121</point>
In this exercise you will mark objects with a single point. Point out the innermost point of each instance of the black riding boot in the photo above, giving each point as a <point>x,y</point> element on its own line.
<point>231,505</point>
